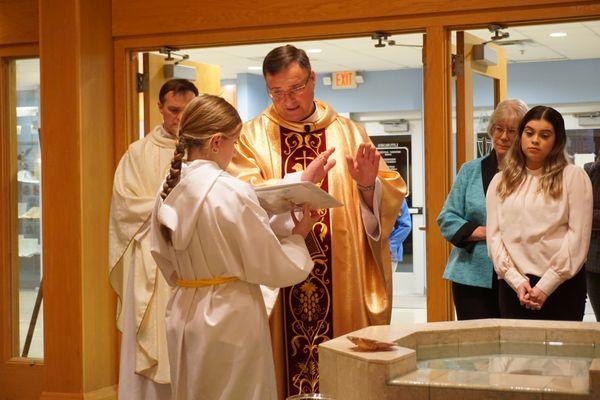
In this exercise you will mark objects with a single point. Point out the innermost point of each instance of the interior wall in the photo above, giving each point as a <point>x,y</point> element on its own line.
<point>551,82</point>
<point>252,95</point>
<point>571,81</point>
<point>381,91</point>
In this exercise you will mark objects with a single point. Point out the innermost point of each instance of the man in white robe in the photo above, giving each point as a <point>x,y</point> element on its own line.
<point>142,291</point>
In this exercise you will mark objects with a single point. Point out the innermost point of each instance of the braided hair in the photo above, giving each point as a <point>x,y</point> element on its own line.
<point>183,143</point>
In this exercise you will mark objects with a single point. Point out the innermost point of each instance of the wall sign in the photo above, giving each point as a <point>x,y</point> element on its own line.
<point>343,80</point>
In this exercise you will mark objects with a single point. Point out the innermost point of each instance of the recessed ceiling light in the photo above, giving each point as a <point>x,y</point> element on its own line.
<point>314,51</point>
<point>254,68</point>
<point>558,34</point>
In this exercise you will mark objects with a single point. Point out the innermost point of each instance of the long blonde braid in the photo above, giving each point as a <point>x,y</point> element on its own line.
<point>175,171</point>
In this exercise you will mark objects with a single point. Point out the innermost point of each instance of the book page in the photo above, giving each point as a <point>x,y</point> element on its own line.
<point>278,199</point>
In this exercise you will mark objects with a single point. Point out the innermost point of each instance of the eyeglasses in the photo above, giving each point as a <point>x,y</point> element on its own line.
<point>295,91</point>
<point>498,130</point>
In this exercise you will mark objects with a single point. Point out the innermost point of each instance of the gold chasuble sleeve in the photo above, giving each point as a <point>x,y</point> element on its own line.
<point>367,262</point>
<point>351,286</point>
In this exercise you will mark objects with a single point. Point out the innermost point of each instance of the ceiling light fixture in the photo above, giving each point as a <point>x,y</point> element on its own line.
<point>314,51</point>
<point>558,34</point>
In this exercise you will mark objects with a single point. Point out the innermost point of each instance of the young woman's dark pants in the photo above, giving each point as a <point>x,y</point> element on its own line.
<point>567,303</point>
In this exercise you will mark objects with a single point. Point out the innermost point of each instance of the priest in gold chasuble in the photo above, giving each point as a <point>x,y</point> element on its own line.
<point>299,138</point>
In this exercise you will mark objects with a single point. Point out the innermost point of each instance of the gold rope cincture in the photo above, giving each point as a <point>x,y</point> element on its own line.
<point>198,283</point>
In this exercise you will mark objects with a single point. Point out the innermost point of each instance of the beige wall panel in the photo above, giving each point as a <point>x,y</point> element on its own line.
<point>208,77</point>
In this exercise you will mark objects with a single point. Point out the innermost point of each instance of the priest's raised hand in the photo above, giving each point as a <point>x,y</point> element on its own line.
<point>363,169</point>
<point>318,168</point>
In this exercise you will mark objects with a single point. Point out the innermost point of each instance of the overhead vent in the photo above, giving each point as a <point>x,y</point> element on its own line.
<point>517,42</point>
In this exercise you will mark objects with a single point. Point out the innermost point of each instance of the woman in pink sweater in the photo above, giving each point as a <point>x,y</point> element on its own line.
<point>539,215</point>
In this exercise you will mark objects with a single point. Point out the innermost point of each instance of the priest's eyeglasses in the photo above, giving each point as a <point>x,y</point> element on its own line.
<point>279,94</point>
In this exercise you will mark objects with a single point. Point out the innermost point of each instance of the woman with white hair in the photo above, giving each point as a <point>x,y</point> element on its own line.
<point>463,219</point>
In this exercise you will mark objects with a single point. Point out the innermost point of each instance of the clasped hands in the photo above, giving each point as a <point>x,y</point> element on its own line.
<point>531,298</point>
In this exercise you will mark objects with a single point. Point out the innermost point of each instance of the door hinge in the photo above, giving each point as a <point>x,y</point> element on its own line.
<point>141,82</point>
<point>458,61</point>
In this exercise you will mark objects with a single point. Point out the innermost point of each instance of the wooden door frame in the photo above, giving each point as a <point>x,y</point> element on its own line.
<point>438,159</point>
<point>19,377</point>
<point>465,68</point>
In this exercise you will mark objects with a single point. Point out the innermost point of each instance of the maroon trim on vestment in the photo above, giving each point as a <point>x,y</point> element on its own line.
<point>307,306</point>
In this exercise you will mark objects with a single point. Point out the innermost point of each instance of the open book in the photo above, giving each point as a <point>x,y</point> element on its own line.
<point>278,199</point>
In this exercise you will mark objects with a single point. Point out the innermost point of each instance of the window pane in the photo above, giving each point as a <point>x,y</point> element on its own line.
<point>583,144</point>
<point>29,207</point>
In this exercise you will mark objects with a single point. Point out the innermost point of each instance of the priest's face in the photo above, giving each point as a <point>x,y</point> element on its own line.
<point>292,91</point>
<point>172,108</point>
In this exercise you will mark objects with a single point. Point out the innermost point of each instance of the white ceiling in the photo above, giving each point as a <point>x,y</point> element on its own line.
<point>337,55</point>
<point>582,41</point>
<point>359,54</point>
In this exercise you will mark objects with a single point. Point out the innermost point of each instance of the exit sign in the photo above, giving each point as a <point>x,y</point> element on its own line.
<point>343,80</point>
